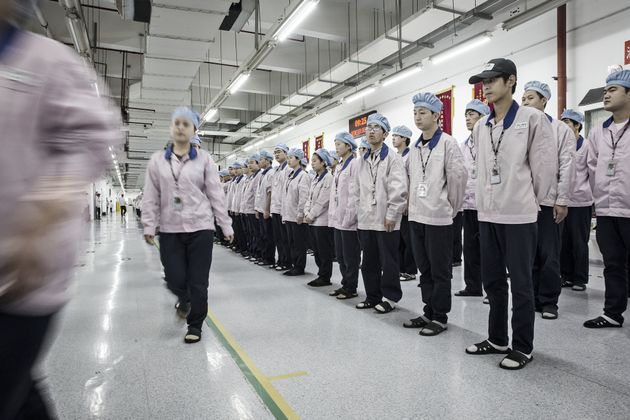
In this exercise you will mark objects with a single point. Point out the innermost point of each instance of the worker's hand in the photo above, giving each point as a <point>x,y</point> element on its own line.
<point>308,220</point>
<point>257,215</point>
<point>267,215</point>
<point>150,239</point>
<point>300,220</point>
<point>560,213</point>
<point>390,225</point>
<point>229,238</point>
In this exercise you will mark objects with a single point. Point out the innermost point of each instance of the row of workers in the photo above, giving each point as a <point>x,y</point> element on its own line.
<point>518,176</point>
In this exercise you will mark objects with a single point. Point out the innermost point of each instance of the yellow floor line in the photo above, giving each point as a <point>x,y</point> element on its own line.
<point>287,376</point>
<point>263,380</point>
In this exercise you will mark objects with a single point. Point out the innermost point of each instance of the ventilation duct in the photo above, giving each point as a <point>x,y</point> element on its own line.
<point>238,16</point>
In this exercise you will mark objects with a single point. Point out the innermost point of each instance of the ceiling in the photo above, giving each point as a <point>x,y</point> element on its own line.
<point>182,58</point>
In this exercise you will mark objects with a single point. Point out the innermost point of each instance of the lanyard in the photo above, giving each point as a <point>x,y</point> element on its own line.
<point>471,148</point>
<point>495,148</point>
<point>424,164</point>
<point>338,174</point>
<point>292,177</point>
<point>176,178</point>
<point>615,143</point>
<point>580,142</point>
<point>373,174</point>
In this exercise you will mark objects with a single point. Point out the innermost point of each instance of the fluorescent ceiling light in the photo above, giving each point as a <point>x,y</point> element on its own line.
<point>248,148</point>
<point>401,75</point>
<point>239,82</point>
<point>258,143</point>
<point>271,137</point>
<point>286,130</point>
<point>231,157</point>
<point>211,113</point>
<point>461,48</point>
<point>360,94</point>
<point>293,21</point>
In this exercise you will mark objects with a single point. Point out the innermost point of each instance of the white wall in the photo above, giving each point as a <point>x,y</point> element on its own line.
<point>597,31</point>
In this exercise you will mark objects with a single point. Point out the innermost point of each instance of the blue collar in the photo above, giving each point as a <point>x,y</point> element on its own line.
<point>256,173</point>
<point>284,165</point>
<point>468,140</point>
<point>509,117</point>
<point>549,117</point>
<point>295,173</point>
<point>434,140</point>
<point>580,142</point>
<point>610,121</point>
<point>322,176</point>
<point>347,162</point>
<point>266,170</point>
<point>6,38</point>
<point>192,154</point>
<point>405,152</point>
<point>382,155</point>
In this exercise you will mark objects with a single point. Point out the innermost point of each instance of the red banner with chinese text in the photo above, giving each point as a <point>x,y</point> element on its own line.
<point>306,148</point>
<point>319,142</point>
<point>446,119</point>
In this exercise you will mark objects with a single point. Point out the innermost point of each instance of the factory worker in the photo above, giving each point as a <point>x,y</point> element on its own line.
<point>196,142</point>
<point>379,192</point>
<point>280,234</point>
<point>364,146</point>
<point>515,168</point>
<point>334,161</point>
<point>553,209</point>
<point>248,206</point>
<point>316,215</point>
<point>263,210</point>
<point>576,232</point>
<point>609,176</point>
<point>437,181</point>
<point>475,110</point>
<point>296,189</point>
<point>401,138</point>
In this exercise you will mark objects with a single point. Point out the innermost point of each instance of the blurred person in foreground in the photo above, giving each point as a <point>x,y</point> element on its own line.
<point>55,137</point>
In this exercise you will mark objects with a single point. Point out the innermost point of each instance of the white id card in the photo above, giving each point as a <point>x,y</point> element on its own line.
<point>473,174</point>
<point>178,205</point>
<point>495,176</point>
<point>423,189</point>
<point>373,200</point>
<point>610,168</point>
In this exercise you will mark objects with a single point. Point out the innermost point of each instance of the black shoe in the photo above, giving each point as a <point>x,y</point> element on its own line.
<point>457,264</point>
<point>419,322</point>
<point>193,335</point>
<point>566,283</point>
<point>293,272</point>
<point>183,309</point>
<point>578,287</point>
<point>347,294</point>
<point>467,293</point>
<point>603,322</point>
<point>549,312</point>
<point>319,282</point>
<point>336,292</point>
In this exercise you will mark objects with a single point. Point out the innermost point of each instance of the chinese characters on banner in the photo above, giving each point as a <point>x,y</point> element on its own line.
<point>319,142</point>
<point>626,52</point>
<point>358,124</point>
<point>446,118</point>
<point>306,148</point>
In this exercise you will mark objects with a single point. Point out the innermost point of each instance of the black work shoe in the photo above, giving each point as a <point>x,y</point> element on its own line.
<point>183,309</point>
<point>193,335</point>
<point>336,292</point>
<point>549,312</point>
<point>293,272</point>
<point>320,282</point>
<point>347,294</point>
<point>465,292</point>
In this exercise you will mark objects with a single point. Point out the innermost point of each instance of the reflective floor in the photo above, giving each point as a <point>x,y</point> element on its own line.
<point>119,351</point>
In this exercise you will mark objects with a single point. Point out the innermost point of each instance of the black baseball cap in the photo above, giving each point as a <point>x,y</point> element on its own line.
<point>493,68</point>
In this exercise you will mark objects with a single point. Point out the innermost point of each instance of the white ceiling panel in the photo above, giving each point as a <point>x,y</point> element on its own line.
<point>425,23</point>
<point>176,48</point>
<point>346,69</point>
<point>281,109</point>
<point>170,67</point>
<point>165,82</point>
<point>172,95</point>
<point>296,100</point>
<point>220,7</point>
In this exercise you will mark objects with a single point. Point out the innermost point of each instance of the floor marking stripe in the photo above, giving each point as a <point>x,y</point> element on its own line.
<point>262,385</point>
<point>287,376</point>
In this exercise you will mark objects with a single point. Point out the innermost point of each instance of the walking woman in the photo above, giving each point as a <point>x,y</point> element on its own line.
<point>183,195</point>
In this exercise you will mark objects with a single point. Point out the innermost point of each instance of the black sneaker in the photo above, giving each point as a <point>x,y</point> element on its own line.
<point>320,282</point>
<point>193,335</point>
<point>549,312</point>
<point>336,292</point>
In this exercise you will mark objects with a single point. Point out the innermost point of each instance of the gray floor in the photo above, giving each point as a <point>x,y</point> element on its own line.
<point>119,352</point>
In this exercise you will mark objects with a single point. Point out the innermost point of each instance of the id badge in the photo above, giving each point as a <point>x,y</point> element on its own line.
<point>373,199</point>
<point>610,168</point>
<point>423,189</point>
<point>495,176</point>
<point>178,205</point>
<point>473,174</point>
<point>336,201</point>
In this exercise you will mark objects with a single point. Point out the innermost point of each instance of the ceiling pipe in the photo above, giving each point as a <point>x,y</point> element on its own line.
<point>77,28</point>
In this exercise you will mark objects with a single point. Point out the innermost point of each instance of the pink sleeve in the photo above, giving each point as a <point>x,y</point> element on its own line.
<point>214,192</point>
<point>151,199</point>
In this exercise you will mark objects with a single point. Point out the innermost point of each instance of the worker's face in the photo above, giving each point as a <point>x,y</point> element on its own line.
<point>616,98</point>
<point>471,119</point>
<point>253,165</point>
<point>398,141</point>
<point>317,163</point>
<point>264,163</point>
<point>182,129</point>
<point>425,119</point>
<point>575,127</point>
<point>280,155</point>
<point>533,99</point>
<point>294,163</point>
<point>231,171</point>
<point>496,88</point>
<point>375,134</point>
<point>238,172</point>
<point>342,148</point>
